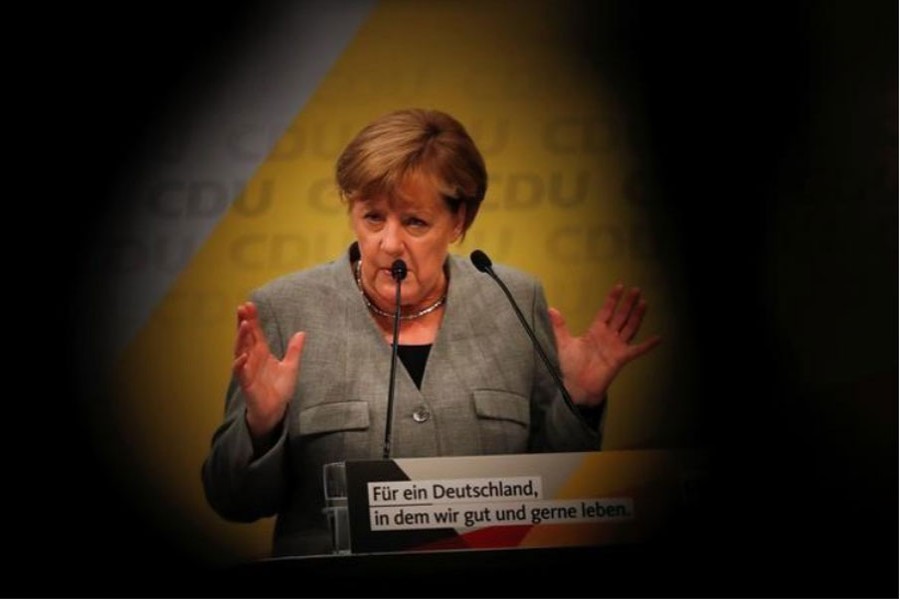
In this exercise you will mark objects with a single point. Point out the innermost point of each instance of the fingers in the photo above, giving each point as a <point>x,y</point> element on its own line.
<point>243,344</point>
<point>245,338</point>
<point>246,311</point>
<point>294,349</point>
<point>606,311</point>
<point>239,370</point>
<point>249,330</point>
<point>620,316</point>
<point>255,326</point>
<point>240,338</point>
<point>643,347</point>
<point>622,319</point>
<point>633,324</point>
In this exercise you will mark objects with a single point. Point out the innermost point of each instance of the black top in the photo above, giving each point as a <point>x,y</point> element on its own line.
<point>414,359</point>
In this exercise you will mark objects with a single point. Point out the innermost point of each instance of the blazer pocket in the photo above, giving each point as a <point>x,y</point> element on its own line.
<point>502,405</point>
<point>352,415</point>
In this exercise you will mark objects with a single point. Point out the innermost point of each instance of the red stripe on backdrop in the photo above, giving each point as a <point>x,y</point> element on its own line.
<point>507,536</point>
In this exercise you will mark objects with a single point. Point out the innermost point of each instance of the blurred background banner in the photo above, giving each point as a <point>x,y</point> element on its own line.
<point>737,163</point>
<point>561,204</point>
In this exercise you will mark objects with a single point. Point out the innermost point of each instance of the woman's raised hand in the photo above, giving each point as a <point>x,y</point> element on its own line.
<point>267,383</point>
<point>590,363</point>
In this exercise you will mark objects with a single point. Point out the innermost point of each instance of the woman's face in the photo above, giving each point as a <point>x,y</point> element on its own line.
<point>414,225</point>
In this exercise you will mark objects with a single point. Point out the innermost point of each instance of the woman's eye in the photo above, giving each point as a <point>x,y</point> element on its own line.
<point>372,217</point>
<point>416,222</point>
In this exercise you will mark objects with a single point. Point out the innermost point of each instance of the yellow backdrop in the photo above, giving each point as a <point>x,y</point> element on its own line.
<point>560,162</point>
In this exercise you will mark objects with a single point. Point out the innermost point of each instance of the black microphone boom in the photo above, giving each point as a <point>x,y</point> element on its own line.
<point>484,264</point>
<point>398,272</point>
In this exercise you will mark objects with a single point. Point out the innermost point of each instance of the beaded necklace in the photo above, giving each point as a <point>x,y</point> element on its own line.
<point>378,311</point>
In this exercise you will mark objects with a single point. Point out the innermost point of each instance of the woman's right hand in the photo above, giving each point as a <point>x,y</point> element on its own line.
<point>267,383</point>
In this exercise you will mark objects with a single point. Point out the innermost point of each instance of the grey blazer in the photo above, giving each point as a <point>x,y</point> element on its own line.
<point>484,391</point>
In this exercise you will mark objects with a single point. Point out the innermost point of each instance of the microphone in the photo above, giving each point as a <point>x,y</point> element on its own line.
<point>398,272</point>
<point>484,264</point>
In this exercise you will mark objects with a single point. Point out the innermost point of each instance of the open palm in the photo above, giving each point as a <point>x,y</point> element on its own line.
<point>590,363</point>
<point>267,383</point>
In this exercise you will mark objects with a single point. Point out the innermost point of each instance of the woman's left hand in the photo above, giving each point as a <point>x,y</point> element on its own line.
<point>590,363</point>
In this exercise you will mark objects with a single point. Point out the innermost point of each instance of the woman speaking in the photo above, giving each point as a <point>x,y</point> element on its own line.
<point>313,349</point>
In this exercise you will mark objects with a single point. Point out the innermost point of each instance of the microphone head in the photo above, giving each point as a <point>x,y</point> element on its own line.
<point>481,261</point>
<point>398,270</point>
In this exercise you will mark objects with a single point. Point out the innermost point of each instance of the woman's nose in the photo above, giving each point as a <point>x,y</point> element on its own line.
<point>392,240</point>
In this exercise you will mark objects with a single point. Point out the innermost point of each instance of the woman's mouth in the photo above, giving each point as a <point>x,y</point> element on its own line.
<point>386,271</point>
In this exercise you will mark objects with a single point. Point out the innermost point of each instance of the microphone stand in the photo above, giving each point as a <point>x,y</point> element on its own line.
<point>398,272</point>
<point>484,264</point>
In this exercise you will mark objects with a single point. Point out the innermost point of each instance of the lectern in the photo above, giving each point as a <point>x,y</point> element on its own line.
<point>612,520</point>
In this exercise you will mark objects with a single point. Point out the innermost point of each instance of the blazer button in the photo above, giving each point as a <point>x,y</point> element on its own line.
<point>421,414</point>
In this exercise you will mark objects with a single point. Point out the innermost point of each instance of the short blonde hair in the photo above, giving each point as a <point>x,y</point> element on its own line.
<point>409,141</point>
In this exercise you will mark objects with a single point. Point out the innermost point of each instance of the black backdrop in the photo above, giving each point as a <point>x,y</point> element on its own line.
<point>772,134</point>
